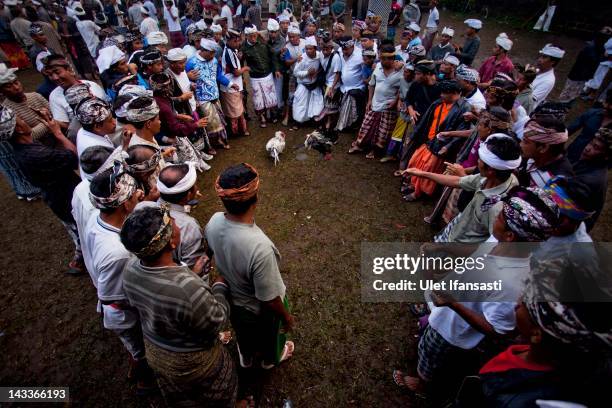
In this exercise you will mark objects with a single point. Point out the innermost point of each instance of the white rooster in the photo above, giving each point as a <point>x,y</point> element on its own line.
<point>276,145</point>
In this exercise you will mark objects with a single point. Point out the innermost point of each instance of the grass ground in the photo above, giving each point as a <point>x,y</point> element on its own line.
<point>316,211</point>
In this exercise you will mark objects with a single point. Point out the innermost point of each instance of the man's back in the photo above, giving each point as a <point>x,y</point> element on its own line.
<point>247,259</point>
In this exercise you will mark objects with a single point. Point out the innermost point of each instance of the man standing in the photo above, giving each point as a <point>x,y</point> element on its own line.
<point>263,64</point>
<point>97,123</point>
<point>148,23</point>
<point>52,169</point>
<point>226,12</point>
<point>308,98</point>
<point>253,15</point>
<point>248,261</point>
<point>498,62</point>
<point>25,105</point>
<point>61,73</point>
<point>444,47</point>
<point>432,25</point>
<point>40,44</point>
<point>20,27</point>
<point>135,12</point>
<point>467,53</point>
<point>544,82</point>
<point>171,14</point>
<point>115,193</point>
<point>352,88</point>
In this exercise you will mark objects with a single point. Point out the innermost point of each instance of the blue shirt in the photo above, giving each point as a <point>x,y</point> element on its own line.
<point>366,72</point>
<point>210,72</point>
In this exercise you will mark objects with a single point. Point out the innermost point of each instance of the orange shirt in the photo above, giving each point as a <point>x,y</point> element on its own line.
<point>438,117</point>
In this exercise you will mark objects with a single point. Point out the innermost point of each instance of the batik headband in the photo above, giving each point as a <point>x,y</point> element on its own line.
<point>491,159</point>
<point>492,121</point>
<point>76,93</point>
<point>94,110</point>
<point>122,185</point>
<point>525,220</point>
<point>243,193</point>
<point>567,206</point>
<point>539,134</point>
<point>146,166</point>
<point>501,92</point>
<point>143,114</point>
<point>346,43</point>
<point>160,239</point>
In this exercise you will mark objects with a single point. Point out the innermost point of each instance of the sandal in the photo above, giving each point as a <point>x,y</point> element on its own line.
<point>354,149</point>
<point>399,378</point>
<point>397,173</point>
<point>263,125</point>
<point>410,198</point>
<point>287,353</point>
<point>370,156</point>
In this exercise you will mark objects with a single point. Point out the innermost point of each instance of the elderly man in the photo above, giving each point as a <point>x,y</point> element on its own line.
<point>97,121</point>
<point>498,62</point>
<point>264,67</point>
<point>25,105</point>
<point>41,47</point>
<point>115,193</point>
<point>352,88</point>
<point>183,98</point>
<point>308,98</point>
<point>248,261</point>
<point>52,169</point>
<point>62,74</point>
<point>544,81</point>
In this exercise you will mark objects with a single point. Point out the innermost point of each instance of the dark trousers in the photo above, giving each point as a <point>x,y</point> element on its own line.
<point>256,334</point>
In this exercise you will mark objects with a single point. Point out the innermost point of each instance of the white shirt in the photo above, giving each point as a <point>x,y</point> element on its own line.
<point>109,258</point>
<point>351,71</point>
<point>226,12</point>
<point>477,101</point>
<point>334,67</point>
<point>542,85</point>
<point>147,26</point>
<point>183,80</point>
<point>87,139</point>
<point>496,306</point>
<point>233,55</point>
<point>151,8</point>
<point>172,18</point>
<point>135,14</point>
<point>60,109</point>
<point>402,53</point>
<point>434,16</point>
<point>89,31</point>
<point>83,211</point>
<point>190,50</point>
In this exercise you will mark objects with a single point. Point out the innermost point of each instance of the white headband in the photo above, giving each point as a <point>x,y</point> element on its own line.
<point>492,160</point>
<point>185,184</point>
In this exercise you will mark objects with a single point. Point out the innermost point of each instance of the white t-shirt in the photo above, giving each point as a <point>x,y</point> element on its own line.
<point>351,71</point>
<point>334,67</point>
<point>109,258</point>
<point>83,211</point>
<point>433,18</point>
<point>542,85</point>
<point>496,306</point>
<point>60,109</point>
<point>89,31</point>
<point>226,12</point>
<point>477,101</point>
<point>87,139</point>
<point>151,8</point>
<point>147,26</point>
<point>174,24</point>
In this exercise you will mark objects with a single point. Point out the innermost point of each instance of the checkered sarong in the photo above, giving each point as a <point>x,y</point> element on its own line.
<point>376,129</point>
<point>434,353</point>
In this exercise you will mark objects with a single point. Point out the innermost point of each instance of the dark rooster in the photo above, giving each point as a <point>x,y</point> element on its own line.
<point>317,141</point>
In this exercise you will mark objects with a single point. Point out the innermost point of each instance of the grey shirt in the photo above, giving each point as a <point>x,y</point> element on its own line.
<point>247,259</point>
<point>386,87</point>
<point>190,248</point>
<point>474,224</point>
<point>469,51</point>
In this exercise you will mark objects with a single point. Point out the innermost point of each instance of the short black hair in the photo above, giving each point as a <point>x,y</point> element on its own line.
<point>140,227</point>
<point>93,158</point>
<point>551,122</point>
<point>118,103</point>
<point>387,48</point>
<point>139,153</point>
<point>170,175</point>
<point>506,148</point>
<point>236,177</point>
<point>100,186</point>
<point>529,74</point>
<point>387,41</point>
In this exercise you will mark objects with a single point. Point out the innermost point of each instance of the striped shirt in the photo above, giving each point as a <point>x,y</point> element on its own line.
<point>26,110</point>
<point>178,310</point>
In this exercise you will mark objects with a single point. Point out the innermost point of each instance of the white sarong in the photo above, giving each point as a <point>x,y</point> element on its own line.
<point>264,93</point>
<point>307,104</point>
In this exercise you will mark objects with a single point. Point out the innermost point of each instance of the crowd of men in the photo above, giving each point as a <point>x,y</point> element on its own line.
<point>116,158</point>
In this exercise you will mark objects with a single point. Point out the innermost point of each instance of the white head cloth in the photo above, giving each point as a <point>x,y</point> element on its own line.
<point>208,45</point>
<point>503,41</point>
<point>109,56</point>
<point>185,184</point>
<point>273,25</point>
<point>492,160</point>
<point>448,31</point>
<point>552,51</point>
<point>451,59</point>
<point>414,27</point>
<point>293,29</point>
<point>473,23</point>
<point>176,54</point>
<point>310,41</point>
<point>157,37</point>
<point>216,28</point>
<point>250,30</point>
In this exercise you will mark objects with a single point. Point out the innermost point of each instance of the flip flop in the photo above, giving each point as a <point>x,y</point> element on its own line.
<point>286,355</point>
<point>397,173</point>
